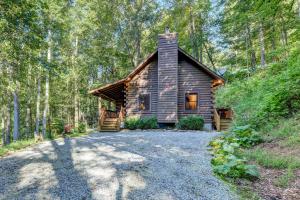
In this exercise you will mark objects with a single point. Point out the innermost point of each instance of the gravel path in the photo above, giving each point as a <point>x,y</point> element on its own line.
<point>127,165</point>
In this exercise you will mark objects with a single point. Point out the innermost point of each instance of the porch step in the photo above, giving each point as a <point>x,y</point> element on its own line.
<point>225,124</point>
<point>111,120</point>
<point>110,124</point>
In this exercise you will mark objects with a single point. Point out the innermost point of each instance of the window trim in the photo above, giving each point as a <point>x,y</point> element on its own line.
<point>144,111</point>
<point>197,107</point>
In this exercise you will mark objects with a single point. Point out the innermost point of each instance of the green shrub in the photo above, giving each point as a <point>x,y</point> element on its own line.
<point>192,122</point>
<point>147,123</point>
<point>131,123</point>
<point>227,161</point>
<point>57,126</point>
<point>244,136</point>
<point>82,127</point>
<point>143,123</point>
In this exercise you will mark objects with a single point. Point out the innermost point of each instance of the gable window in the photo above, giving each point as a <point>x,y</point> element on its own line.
<point>191,101</point>
<point>144,102</point>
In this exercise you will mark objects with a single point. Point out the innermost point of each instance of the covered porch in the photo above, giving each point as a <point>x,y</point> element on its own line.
<point>111,105</point>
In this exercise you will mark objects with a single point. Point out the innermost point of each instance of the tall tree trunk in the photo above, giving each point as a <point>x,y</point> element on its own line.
<point>46,107</point>
<point>8,123</point>
<point>193,37</point>
<point>27,120</point>
<point>16,133</point>
<point>284,36</point>
<point>37,118</point>
<point>28,106</point>
<point>252,52</point>
<point>209,55</point>
<point>3,124</point>
<point>262,45</point>
<point>138,47</point>
<point>76,98</point>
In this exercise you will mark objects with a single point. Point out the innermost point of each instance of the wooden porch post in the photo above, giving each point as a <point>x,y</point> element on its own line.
<point>99,109</point>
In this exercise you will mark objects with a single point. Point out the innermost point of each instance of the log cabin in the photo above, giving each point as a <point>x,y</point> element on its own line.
<point>169,84</point>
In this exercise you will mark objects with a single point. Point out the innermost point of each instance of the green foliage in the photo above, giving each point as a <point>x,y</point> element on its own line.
<point>271,93</point>
<point>82,127</point>
<point>244,136</point>
<point>131,123</point>
<point>57,126</point>
<point>143,123</point>
<point>148,123</point>
<point>227,161</point>
<point>192,122</point>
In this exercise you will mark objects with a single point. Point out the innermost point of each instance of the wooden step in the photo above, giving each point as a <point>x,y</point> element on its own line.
<point>109,130</point>
<point>110,123</point>
<point>225,124</point>
<point>111,119</point>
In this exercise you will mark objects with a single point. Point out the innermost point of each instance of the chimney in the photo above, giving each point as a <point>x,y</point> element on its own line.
<point>167,77</point>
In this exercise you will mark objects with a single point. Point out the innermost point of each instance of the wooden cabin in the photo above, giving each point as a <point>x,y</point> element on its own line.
<point>169,84</point>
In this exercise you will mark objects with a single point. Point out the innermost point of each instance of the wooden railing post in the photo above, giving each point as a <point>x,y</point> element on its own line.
<point>217,120</point>
<point>102,117</point>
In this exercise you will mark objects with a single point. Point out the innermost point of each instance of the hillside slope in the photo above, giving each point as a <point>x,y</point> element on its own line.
<point>269,101</point>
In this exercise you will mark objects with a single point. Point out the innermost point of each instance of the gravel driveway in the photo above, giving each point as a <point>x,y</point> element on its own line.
<point>127,165</point>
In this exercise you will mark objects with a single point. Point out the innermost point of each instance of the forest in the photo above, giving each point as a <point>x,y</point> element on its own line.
<point>54,52</point>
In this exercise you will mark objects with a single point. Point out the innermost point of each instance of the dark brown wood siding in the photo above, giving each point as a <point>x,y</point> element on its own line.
<point>167,78</point>
<point>192,79</point>
<point>145,82</point>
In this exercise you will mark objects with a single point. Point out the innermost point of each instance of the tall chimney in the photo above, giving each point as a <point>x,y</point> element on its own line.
<point>167,77</point>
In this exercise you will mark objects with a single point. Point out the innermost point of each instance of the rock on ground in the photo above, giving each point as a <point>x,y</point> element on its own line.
<point>154,165</point>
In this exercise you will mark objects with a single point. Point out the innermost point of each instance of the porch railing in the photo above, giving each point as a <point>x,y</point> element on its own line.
<point>217,120</point>
<point>119,115</point>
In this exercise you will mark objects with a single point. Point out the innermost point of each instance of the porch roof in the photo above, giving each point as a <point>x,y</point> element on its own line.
<point>112,91</point>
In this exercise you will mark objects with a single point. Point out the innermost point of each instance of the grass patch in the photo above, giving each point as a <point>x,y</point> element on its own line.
<point>285,129</point>
<point>292,141</point>
<point>284,180</point>
<point>14,146</point>
<point>21,144</point>
<point>270,160</point>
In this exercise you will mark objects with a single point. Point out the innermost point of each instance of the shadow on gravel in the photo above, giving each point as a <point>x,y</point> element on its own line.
<point>62,182</point>
<point>71,184</point>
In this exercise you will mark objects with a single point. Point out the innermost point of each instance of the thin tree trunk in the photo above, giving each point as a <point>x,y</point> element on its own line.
<point>6,124</point>
<point>28,108</point>
<point>16,133</point>
<point>284,36</point>
<point>210,57</point>
<point>37,119</point>
<point>76,118</point>
<point>262,46</point>
<point>46,107</point>
<point>27,120</point>
<point>252,52</point>
<point>3,120</point>
<point>193,36</point>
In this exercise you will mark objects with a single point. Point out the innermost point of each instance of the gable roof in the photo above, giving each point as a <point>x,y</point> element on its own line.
<point>150,58</point>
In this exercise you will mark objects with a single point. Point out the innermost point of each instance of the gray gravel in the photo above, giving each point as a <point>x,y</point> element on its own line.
<point>154,165</point>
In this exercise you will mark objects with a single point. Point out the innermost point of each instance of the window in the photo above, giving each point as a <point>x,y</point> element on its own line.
<point>191,101</point>
<point>144,102</point>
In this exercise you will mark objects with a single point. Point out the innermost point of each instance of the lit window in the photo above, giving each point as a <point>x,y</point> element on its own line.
<point>191,101</point>
<point>144,102</point>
